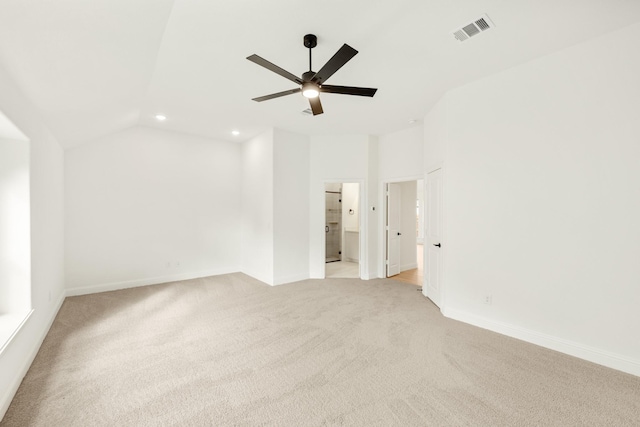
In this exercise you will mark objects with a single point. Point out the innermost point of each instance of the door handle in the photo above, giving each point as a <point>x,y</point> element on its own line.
<point>399,234</point>
<point>438,245</point>
<point>326,229</point>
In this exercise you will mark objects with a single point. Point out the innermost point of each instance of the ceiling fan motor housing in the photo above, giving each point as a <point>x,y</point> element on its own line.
<point>310,41</point>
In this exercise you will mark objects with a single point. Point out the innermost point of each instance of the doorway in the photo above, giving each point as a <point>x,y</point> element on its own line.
<point>342,230</point>
<point>403,231</point>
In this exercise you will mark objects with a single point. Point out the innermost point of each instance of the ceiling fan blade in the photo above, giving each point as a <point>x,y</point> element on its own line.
<point>272,67</point>
<point>342,56</point>
<point>348,90</point>
<point>316,106</point>
<point>276,95</point>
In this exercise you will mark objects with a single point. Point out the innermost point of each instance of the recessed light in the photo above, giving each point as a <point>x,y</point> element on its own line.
<point>161,118</point>
<point>235,132</point>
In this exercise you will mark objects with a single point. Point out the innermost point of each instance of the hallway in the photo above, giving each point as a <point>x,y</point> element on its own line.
<point>414,276</point>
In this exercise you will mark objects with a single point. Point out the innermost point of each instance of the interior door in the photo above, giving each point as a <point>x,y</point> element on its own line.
<point>433,235</point>
<point>393,229</point>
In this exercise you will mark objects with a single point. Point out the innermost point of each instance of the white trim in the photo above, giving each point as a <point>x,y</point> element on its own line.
<point>114,286</point>
<point>11,391</point>
<point>409,266</point>
<point>402,179</point>
<point>15,330</point>
<point>290,279</point>
<point>572,348</point>
<point>434,167</point>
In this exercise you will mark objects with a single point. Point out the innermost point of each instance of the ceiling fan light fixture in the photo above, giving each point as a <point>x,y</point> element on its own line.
<point>310,90</point>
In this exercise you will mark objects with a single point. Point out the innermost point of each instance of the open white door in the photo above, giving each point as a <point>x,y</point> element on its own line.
<point>393,229</point>
<point>433,244</point>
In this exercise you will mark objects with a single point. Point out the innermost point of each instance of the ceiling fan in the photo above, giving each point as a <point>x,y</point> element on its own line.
<point>312,83</point>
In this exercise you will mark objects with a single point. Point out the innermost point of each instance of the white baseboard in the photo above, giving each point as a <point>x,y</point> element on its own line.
<point>592,354</point>
<point>290,279</point>
<point>105,287</point>
<point>8,395</point>
<point>411,266</point>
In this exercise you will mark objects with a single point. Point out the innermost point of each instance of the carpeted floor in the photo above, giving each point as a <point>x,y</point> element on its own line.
<point>228,350</point>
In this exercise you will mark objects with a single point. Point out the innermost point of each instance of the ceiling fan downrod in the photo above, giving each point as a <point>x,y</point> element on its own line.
<point>310,41</point>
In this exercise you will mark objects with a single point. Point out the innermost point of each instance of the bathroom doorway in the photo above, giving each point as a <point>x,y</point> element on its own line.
<point>342,230</point>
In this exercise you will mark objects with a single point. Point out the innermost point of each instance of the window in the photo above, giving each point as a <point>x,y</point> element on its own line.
<point>15,230</point>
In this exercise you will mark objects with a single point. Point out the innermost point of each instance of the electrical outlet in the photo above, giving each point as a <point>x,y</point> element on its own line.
<point>488,299</point>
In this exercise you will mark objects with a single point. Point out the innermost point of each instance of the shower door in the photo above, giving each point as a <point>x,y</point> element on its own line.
<point>333,225</point>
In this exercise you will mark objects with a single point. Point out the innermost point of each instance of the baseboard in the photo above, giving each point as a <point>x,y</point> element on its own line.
<point>105,287</point>
<point>592,354</point>
<point>8,395</point>
<point>290,279</point>
<point>406,267</point>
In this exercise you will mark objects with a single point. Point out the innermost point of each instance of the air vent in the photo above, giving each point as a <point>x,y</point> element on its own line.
<point>478,26</point>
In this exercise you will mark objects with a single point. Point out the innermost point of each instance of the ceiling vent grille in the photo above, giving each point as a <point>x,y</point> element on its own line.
<point>478,26</point>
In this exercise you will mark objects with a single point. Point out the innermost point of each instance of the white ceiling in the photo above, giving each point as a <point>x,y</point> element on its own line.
<point>96,67</point>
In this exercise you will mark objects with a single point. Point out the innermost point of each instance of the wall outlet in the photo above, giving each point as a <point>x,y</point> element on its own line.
<point>488,299</point>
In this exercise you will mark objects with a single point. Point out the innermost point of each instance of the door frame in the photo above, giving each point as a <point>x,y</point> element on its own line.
<point>382,221</point>
<point>361,223</point>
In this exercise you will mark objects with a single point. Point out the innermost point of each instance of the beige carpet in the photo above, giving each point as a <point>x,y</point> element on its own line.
<point>229,350</point>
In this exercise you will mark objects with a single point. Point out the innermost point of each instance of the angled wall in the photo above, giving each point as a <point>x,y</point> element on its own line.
<point>47,236</point>
<point>147,206</point>
<point>542,165</point>
<point>340,158</point>
<point>257,207</point>
<point>290,207</point>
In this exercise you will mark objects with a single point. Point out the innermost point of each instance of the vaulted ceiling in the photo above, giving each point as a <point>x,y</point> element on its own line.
<point>100,66</point>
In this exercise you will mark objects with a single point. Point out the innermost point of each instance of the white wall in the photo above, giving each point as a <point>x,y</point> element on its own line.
<point>420,198</point>
<point>543,201</point>
<point>408,251</point>
<point>290,206</point>
<point>47,236</point>
<point>257,207</point>
<point>435,136</point>
<point>350,201</point>
<point>372,211</point>
<point>15,248</point>
<point>149,206</point>
<point>400,159</point>
<point>351,222</point>
<point>337,158</point>
<point>401,154</point>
